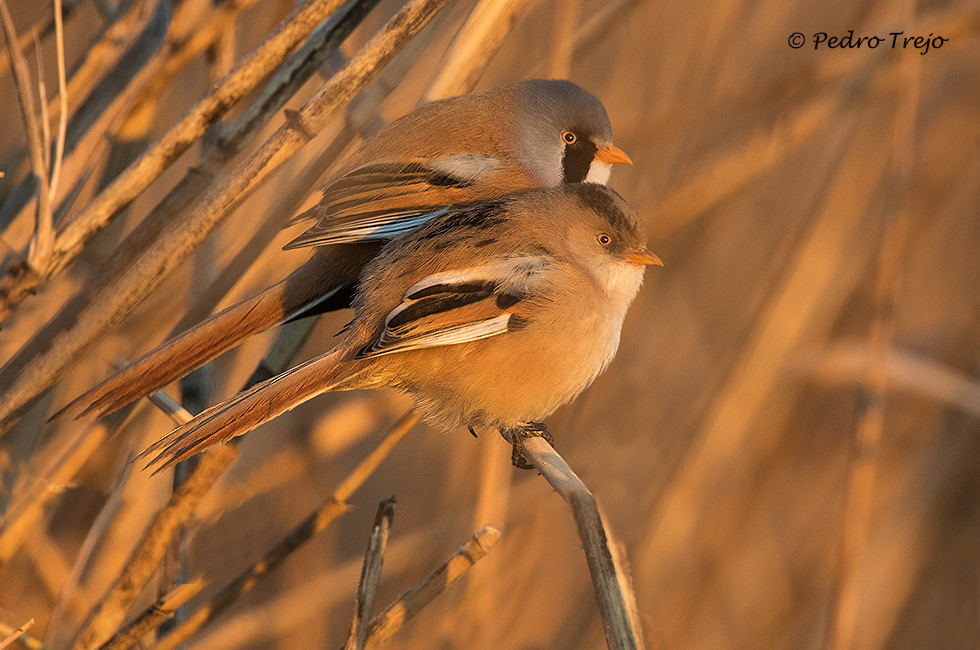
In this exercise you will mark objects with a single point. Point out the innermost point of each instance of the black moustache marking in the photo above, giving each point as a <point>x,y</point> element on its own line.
<point>577,159</point>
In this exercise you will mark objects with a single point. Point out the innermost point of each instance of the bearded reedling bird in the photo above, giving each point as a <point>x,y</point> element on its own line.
<point>489,315</point>
<point>469,148</point>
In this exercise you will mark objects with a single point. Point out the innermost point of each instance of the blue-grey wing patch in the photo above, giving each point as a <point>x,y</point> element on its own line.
<point>379,201</point>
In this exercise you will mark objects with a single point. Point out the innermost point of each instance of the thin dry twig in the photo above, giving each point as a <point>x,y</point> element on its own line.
<point>13,636</point>
<point>384,625</point>
<point>39,30</point>
<point>145,560</point>
<point>612,592</point>
<point>50,471</point>
<point>59,147</point>
<point>235,136</point>
<point>96,533</point>
<point>101,114</point>
<point>109,308</point>
<point>78,231</point>
<point>306,530</point>
<point>367,585</point>
<point>42,242</point>
<point>151,617</point>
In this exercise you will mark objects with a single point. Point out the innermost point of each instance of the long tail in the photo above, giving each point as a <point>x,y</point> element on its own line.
<point>253,407</point>
<point>304,290</point>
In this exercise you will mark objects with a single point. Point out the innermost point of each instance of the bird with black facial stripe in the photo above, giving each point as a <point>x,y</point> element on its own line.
<point>515,318</point>
<point>469,148</point>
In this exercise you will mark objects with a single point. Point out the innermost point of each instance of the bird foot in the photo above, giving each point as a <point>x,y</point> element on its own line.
<point>518,435</point>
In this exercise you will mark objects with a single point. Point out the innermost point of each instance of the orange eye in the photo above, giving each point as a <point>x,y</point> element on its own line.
<point>603,239</point>
<point>569,137</point>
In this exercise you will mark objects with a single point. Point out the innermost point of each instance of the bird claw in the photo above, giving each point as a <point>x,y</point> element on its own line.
<point>518,435</point>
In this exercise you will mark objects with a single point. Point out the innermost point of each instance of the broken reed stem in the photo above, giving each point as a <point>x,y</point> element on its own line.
<point>12,636</point>
<point>109,308</point>
<point>384,625</point>
<point>163,609</point>
<point>367,585</point>
<point>622,631</point>
<point>42,242</point>
<point>335,506</point>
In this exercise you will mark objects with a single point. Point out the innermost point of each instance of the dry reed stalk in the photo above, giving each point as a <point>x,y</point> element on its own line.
<point>78,231</point>
<point>163,609</point>
<point>39,30</point>
<point>50,470</point>
<point>613,588</point>
<point>866,442</point>
<point>119,300</point>
<point>367,585</point>
<point>235,137</point>
<point>16,634</point>
<point>93,538</point>
<point>145,560</point>
<point>299,535</point>
<point>826,268</point>
<point>196,387</point>
<point>475,44</point>
<point>59,149</point>
<point>410,603</point>
<point>42,243</point>
<point>566,17</point>
<point>105,108</point>
<point>300,604</point>
<point>846,363</point>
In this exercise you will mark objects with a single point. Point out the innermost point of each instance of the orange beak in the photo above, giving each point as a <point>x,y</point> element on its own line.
<point>643,257</point>
<point>612,155</point>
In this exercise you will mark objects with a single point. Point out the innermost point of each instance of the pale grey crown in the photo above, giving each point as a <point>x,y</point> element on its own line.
<point>547,108</point>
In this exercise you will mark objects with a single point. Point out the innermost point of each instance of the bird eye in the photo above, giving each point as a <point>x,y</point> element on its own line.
<point>569,137</point>
<point>603,239</point>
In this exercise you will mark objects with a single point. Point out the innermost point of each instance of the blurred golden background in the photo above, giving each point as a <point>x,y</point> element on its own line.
<point>787,445</point>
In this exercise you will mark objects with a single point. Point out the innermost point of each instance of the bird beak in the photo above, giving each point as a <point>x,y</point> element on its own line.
<point>612,154</point>
<point>643,257</point>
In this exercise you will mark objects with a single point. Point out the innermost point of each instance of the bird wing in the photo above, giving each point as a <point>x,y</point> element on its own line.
<point>381,200</point>
<point>462,306</point>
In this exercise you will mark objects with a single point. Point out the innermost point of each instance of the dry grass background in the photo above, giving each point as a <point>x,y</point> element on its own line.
<point>805,369</point>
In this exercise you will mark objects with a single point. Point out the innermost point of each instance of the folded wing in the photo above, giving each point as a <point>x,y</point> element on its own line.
<point>462,306</point>
<point>379,201</point>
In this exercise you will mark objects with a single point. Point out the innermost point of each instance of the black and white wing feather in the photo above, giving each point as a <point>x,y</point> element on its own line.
<point>379,201</point>
<point>462,306</point>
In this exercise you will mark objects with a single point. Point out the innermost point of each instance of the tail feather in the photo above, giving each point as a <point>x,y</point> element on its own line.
<point>179,356</point>
<point>251,408</point>
<point>320,277</point>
